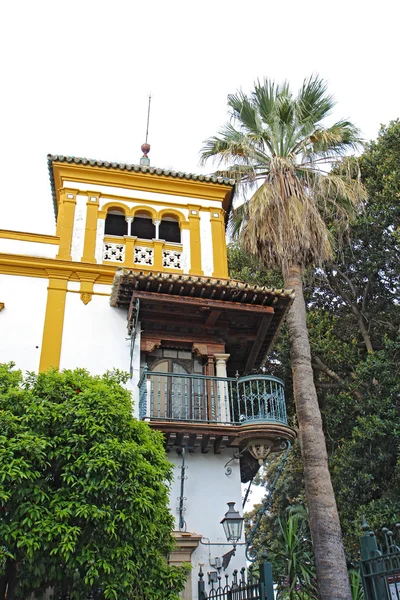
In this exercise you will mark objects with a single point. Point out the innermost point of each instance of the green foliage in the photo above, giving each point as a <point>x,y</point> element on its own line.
<point>83,490</point>
<point>357,591</point>
<point>292,557</point>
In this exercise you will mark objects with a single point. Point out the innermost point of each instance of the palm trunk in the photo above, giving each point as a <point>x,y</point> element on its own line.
<point>332,577</point>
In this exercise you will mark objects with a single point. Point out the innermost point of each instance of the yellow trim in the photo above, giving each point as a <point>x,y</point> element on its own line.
<point>129,250</point>
<point>158,248</point>
<point>93,293</point>
<point>22,236</point>
<point>110,205</point>
<point>35,266</point>
<point>54,321</point>
<point>219,244</point>
<point>143,208</point>
<point>114,199</point>
<point>140,181</point>
<point>68,201</point>
<point>165,212</point>
<point>89,247</point>
<point>195,240</point>
<point>86,287</point>
<point>114,239</point>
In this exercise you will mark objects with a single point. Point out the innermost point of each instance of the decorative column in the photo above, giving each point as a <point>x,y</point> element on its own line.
<point>219,244</point>
<point>223,388</point>
<point>157,222</point>
<point>130,241</point>
<point>195,241</point>
<point>66,222</point>
<point>129,220</point>
<point>54,320</point>
<point>89,246</point>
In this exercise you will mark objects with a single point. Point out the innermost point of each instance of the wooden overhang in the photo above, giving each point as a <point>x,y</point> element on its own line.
<point>189,309</point>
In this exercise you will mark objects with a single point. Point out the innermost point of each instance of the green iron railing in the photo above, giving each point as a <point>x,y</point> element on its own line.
<point>199,398</point>
<point>380,563</point>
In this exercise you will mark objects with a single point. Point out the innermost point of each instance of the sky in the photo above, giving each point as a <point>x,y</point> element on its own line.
<point>76,75</point>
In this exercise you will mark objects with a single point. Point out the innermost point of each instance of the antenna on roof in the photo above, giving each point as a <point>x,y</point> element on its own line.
<point>145,161</point>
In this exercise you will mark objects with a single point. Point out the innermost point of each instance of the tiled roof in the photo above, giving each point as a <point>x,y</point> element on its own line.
<point>54,158</point>
<point>203,287</point>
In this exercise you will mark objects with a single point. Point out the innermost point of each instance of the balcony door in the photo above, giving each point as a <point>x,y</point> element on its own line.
<point>175,397</point>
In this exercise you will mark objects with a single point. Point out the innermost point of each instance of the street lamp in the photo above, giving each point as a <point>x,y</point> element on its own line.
<point>232,524</point>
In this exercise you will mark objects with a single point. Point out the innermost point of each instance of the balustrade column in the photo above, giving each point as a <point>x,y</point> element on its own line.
<point>157,222</point>
<point>223,388</point>
<point>129,220</point>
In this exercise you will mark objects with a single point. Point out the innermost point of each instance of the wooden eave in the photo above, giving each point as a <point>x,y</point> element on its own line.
<point>245,318</point>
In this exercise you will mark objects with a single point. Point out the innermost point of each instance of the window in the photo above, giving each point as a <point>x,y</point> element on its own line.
<point>115,223</point>
<point>143,227</point>
<point>169,230</point>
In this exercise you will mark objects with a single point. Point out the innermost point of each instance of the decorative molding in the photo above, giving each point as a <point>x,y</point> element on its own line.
<point>23,236</point>
<point>86,297</point>
<point>35,266</point>
<point>148,345</point>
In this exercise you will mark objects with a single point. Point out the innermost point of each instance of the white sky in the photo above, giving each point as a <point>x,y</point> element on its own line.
<point>75,77</point>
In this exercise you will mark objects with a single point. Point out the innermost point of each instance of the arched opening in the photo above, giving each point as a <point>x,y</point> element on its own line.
<point>170,230</point>
<point>143,226</point>
<point>115,223</point>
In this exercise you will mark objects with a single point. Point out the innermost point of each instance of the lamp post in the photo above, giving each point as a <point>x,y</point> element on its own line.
<point>232,524</point>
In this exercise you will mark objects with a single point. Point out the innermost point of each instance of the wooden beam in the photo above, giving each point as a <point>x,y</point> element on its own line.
<point>202,302</point>
<point>213,318</point>
<point>262,332</point>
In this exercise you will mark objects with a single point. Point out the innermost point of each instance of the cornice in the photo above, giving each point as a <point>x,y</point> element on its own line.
<point>206,190</point>
<point>29,237</point>
<point>31,266</point>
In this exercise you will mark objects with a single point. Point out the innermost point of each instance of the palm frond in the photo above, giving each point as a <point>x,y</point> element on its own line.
<point>313,103</point>
<point>278,144</point>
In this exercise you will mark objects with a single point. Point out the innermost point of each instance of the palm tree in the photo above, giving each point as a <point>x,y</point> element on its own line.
<point>277,144</point>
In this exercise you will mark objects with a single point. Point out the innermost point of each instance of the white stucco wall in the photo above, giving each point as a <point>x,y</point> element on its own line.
<point>95,337</point>
<point>78,235</point>
<point>22,320</point>
<point>101,223</point>
<point>28,248</point>
<point>207,260</point>
<point>207,490</point>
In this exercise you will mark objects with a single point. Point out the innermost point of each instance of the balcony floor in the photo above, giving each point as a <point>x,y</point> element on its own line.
<point>203,437</point>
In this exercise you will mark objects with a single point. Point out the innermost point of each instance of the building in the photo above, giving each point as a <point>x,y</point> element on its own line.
<point>136,278</point>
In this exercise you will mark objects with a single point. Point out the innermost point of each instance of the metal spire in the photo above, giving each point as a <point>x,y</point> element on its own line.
<point>145,161</point>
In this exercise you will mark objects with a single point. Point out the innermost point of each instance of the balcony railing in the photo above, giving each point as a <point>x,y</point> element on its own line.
<point>146,254</point>
<point>223,400</point>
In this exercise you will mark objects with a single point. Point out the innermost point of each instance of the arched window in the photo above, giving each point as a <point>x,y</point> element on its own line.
<point>143,227</point>
<point>170,230</point>
<point>115,223</point>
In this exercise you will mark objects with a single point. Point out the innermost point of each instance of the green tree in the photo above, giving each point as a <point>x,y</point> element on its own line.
<point>353,321</point>
<point>83,491</point>
<point>277,142</point>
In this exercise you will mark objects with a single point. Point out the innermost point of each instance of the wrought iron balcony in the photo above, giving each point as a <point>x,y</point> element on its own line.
<point>216,400</point>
